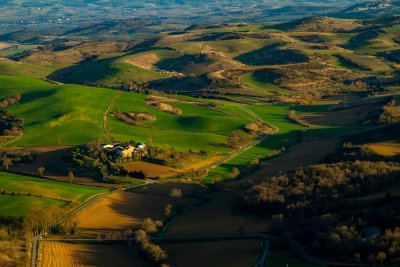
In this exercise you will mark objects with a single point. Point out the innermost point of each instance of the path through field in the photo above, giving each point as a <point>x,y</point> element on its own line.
<point>110,138</point>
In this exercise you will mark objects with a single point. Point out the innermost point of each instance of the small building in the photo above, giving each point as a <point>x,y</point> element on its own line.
<point>141,146</point>
<point>125,152</point>
<point>107,146</point>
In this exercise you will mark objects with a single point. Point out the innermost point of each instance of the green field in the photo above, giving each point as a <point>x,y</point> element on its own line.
<point>197,128</point>
<point>55,114</point>
<point>261,85</point>
<point>275,115</point>
<point>106,72</point>
<point>39,192</point>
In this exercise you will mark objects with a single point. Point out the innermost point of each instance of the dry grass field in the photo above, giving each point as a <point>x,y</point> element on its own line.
<point>122,210</point>
<point>159,171</point>
<point>299,155</point>
<point>152,170</point>
<point>58,254</point>
<point>214,254</point>
<point>386,149</point>
<point>146,61</point>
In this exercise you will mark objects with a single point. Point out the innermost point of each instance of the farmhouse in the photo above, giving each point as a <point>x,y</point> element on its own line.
<point>125,152</point>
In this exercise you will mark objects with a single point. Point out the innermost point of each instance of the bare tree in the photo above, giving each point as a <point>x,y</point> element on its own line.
<point>175,193</point>
<point>71,176</point>
<point>41,171</point>
<point>6,162</point>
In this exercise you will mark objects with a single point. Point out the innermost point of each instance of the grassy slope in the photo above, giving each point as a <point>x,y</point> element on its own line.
<point>44,193</point>
<point>197,128</point>
<point>57,114</point>
<point>274,114</point>
<point>109,72</point>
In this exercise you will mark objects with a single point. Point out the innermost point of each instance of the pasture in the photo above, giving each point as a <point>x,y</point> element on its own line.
<point>25,193</point>
<point>198,128</point>
<point>73,107</point>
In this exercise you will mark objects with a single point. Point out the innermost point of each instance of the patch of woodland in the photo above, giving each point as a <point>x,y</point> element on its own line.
<point>134,117</point>
<point>390,113</point>
<point>237,139</point>
<point>171,157</point>
<point>164,107</point>
<point>258,128</point>
<point>10,125</point>
<point>333,207</point>
<point>11,157</point>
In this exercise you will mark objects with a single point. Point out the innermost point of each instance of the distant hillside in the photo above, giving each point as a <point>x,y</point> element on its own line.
<point>320,24</point>
<point>370,9</point>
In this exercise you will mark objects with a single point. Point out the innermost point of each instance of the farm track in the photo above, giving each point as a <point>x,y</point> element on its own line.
<point>246,147</point>
<point>110,138</point>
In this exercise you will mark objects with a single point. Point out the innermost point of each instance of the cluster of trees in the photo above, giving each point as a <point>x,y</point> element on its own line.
<point>170,156</point>
<point>11,157</point>
<point>11,249</point>
<point>134,118</point>
<point>318,187</point>
<point>148,249</point>
<point>192,174</point>
<point>293,117</point>
<point>5,103</point>
<point>390,113</point>
<point>9,124</point>
<point>320,206</point>
<point>43,220</point>
<point>236,140</point>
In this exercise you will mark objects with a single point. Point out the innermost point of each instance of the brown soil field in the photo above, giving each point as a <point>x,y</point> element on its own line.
<point>299,155</point>
<point>218,216</point>
<point>152,170</point>
<point>164,189</point>
<point>51,157</point>
<point>146,61</point>
<point>122,210</point>
<point>341,117</point>
<point>386,149</point>
<point>214,254</point>
<point>58,254</point>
